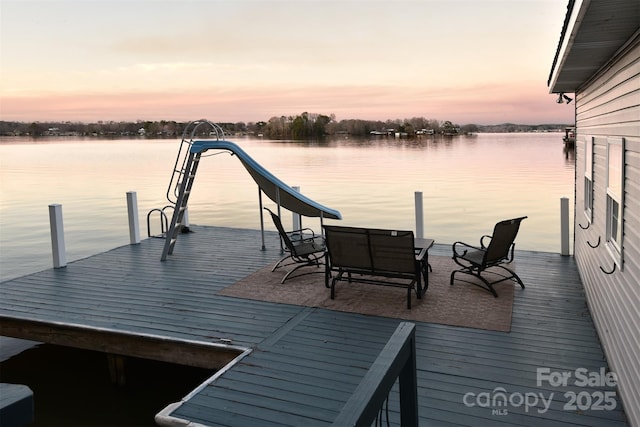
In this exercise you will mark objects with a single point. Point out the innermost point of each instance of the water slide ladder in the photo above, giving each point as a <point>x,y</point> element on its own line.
<point>182,178</point>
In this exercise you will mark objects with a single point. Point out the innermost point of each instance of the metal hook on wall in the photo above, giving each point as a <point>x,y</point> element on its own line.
<point>592,245</point>
<point>612,270</point>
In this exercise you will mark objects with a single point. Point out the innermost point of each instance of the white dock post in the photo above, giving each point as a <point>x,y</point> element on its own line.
<point>419,216</point>
<point>185,217</point>
<point>134,224</point>
<point>57,236</point>
<point>564,226</point>
<point>297,223</point>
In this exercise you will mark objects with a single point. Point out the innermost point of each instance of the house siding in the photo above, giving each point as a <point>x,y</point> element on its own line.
<point>609,106</point>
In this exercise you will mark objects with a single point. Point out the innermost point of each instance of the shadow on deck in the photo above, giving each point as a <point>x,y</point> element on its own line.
<point>306,362</point>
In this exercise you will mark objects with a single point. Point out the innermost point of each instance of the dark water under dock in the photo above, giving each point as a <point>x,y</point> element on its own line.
<point>73,387</point>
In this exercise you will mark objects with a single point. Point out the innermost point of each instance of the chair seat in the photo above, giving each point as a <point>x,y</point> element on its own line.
<point>474,256</point>
<point>309,246</point>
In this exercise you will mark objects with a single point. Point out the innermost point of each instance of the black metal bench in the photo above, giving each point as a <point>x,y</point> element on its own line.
<point>375,256</point>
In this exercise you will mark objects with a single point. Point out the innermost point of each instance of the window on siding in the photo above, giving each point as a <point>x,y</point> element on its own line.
<point>615,193</point>
<point>588,178</point>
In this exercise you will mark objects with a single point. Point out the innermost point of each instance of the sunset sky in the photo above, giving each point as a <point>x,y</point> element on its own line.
<point>468,61</point>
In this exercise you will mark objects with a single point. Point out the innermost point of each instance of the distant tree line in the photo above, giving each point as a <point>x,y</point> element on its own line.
<point>302,126</point>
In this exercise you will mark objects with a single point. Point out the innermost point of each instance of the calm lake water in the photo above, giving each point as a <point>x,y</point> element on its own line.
<point>468,184</point>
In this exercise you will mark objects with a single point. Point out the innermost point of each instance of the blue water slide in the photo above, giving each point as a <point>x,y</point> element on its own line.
<point>275,189</point>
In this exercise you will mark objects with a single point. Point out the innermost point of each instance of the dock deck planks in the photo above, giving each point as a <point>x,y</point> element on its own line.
<point>306,362</point>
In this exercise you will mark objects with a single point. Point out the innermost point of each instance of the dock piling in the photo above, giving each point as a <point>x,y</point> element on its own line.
<point>57,236</point>
<point>117,369</point>
<point>185,217</point>
<point>134,223</point>
<point>564,226</point>
<point>419,215</point>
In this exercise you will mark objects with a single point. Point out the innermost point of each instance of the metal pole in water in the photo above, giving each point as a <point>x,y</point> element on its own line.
<point>419,216</point>
<point>57,236</point>
<point>134,224</point>
<point>564,226</point>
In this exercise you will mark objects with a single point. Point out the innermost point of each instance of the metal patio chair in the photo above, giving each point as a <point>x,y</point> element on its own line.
<point>476,260</point>
<point>302,246</point>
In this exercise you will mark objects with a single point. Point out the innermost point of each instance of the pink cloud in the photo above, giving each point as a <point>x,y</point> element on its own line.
<point>479,104</point>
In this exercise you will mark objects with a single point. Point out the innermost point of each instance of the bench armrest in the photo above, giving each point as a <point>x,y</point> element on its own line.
<point>421,253</point>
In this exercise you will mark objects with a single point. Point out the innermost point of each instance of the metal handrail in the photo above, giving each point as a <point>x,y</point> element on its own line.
<point>164,221</point>
<point>198,128</point>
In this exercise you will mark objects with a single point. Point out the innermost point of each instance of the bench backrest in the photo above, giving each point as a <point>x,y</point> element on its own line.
<point>283,234</point>
<point>372,250</point>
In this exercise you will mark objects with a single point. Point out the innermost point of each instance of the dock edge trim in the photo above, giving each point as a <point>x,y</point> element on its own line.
<point>164,417</point>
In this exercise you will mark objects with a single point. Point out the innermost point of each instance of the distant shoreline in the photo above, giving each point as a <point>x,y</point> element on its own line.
<point>300,127</point>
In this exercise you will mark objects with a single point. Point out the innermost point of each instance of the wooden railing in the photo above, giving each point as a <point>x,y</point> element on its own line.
<point>396,361</point>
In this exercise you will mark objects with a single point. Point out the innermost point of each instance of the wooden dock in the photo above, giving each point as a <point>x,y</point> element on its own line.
<point>299,365</point>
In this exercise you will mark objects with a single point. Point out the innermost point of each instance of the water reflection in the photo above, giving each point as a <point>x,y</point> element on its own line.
<point>422,142</point>
<point>569,151</point>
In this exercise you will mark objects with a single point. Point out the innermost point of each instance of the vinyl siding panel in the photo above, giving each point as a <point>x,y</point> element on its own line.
<point>609,106</point>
